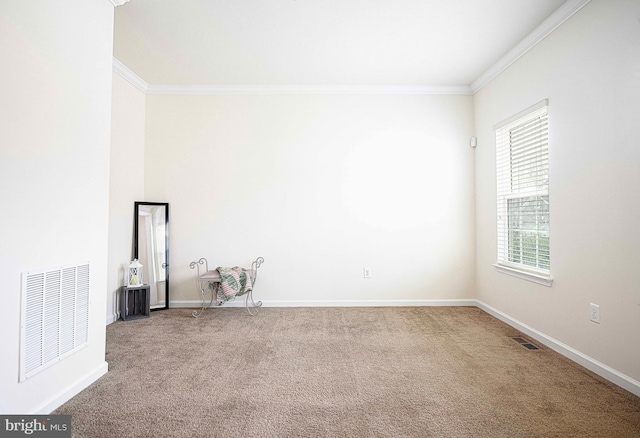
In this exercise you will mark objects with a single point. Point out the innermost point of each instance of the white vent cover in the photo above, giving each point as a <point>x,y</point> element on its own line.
<point>55,316</point>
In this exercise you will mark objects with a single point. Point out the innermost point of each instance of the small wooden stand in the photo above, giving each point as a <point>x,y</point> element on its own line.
<point>134,302</point>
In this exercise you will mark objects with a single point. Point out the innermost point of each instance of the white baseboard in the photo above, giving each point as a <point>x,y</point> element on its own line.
<point>337,303</point>
<point>71,391</point>
<point>112,318</point>
<point>589,363</point>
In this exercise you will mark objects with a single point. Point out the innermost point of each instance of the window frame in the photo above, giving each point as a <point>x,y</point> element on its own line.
<point>504,170</point>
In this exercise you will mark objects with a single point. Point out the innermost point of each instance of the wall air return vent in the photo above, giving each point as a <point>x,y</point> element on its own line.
<point>55,316</point>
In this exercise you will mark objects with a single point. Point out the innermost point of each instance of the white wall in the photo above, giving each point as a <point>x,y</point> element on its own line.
<point>589,69</point>
<point>126,183</point>
<point>55,104</point>
<point>320,186</point>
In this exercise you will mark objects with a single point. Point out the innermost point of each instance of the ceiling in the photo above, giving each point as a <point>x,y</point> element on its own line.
<point>320,42</point>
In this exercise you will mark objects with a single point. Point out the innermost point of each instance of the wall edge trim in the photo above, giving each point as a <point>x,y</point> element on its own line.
<point>604,371</point>
<point>334,303</point>
<point>224,90</point>
<point>550,24</point>
<point>597,367</point>
<point>113,318</point>
<point>71,391</point>
<point>554,21</point>
<point>129,76</point>
<point>206,90</point>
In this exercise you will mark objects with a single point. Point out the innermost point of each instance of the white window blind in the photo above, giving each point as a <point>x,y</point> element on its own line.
<point>522,168</point>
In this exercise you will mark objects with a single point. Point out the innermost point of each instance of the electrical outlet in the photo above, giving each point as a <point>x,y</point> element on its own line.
<point>595,313</point>
<point>366,272</point>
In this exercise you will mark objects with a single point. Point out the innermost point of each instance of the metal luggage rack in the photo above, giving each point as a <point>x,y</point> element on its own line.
<point>209,281</point>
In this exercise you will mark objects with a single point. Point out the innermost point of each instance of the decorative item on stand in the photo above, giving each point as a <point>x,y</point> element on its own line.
<point>134,296</point>
<point>134,273</point>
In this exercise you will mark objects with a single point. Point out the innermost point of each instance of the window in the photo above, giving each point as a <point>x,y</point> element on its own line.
<point>522,168</point>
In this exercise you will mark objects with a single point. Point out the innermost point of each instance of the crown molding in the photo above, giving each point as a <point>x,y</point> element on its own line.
<point>205,90</point>
<point>555,20</point>
<point>117,3</point>
<point>130,76</point>
<point>307,89</point>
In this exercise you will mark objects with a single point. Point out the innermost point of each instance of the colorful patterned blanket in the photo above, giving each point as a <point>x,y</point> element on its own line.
<point>234,282</point>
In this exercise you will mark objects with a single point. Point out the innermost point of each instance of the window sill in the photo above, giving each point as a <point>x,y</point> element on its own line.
<point>542,279</point>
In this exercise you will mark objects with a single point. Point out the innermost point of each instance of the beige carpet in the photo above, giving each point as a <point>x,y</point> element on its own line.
<point>341,372</point>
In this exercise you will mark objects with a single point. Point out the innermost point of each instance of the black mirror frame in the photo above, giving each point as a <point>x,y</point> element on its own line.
<point>136,206</point>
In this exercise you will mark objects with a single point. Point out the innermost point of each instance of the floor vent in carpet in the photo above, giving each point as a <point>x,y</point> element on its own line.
<point>526,344</point>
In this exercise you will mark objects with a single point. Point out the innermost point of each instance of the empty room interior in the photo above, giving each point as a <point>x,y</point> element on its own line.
<point>357,146</point>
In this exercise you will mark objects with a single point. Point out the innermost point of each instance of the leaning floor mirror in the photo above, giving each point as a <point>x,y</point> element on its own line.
<point>151,248</point>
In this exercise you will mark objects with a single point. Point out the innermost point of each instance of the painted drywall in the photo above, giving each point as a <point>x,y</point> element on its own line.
<point>589,69</point>
<point>55,105</point>
<point>321,186</point>
<point>126,182</point>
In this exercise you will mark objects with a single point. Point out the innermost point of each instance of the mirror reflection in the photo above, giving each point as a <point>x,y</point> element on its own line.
<point>151,248</point>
